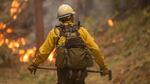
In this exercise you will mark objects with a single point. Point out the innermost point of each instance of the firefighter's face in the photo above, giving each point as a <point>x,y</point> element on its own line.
<point>65,19</point>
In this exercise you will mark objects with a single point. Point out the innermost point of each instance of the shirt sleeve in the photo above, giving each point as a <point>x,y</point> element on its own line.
<point>91,44</point>
<point>46,48</point>
<point>48,44</point>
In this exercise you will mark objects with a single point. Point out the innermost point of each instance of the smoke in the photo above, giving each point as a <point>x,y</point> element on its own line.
<point>103,9</point>
<point>97,9</point>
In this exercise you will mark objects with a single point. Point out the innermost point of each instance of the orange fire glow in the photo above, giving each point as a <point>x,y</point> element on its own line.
<point>16,47</point>
<point>9,30</point>
<point>15,9</point>
<point>19,45</point>
<point>23,41</point>
<point>21,52</point>
<point>110,22</point>
<point>1,42</point>
<point>2,26</point>
<point>51,56</point>
<point>27,55</point>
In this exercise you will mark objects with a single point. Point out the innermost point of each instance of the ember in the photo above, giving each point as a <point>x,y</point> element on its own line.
<point>110,22</point>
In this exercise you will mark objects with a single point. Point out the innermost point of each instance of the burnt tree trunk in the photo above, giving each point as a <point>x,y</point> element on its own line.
<point>39,22</point>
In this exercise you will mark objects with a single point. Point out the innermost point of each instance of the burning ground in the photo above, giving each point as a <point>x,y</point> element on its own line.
<point>17,45</point>
<point>8,38</point>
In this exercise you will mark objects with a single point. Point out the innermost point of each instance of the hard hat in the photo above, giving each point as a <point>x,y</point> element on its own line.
<point>64,11</point>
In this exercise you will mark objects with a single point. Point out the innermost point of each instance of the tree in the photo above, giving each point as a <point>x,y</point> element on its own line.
<point>39,22</point>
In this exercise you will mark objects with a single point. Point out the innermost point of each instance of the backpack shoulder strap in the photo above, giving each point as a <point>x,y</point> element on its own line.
<point>57,27</point>
<point>61,27</point>
<point>77,28</point>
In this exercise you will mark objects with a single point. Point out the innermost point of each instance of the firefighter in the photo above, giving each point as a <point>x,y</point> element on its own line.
<point>73,39</point>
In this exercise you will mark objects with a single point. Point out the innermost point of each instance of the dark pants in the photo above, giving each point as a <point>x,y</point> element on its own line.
<point>70,76</point>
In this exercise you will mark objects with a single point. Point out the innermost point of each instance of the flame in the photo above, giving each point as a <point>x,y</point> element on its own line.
<point>1,42</point>
<point>18,45</point>
<point>23,41</point>
<point>15,8</point>
<point>13,44</point>
<point>21,52</point>
<point>1,36</point>
<point>26,56</point>
<point>6,41</point>
<point>9,30</point>
<point>51,56</point>
<point>2,26</point>
<point>110,22</point>
<point>1,39</point>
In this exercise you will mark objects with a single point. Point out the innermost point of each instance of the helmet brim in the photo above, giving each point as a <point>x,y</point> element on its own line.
<point>66,15</point>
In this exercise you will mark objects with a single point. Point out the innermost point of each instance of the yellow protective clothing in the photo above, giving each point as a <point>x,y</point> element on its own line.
<point>52,37</point>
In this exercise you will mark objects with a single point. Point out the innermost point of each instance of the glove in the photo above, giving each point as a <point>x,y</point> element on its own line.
<point>104,72</point>
<point>32,68</point>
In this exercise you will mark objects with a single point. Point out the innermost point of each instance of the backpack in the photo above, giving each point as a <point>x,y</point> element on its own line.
<point>73,53</point>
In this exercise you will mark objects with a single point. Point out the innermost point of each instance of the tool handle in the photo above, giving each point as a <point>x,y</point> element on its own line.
<point>91,71</point>
<point>110,75</point>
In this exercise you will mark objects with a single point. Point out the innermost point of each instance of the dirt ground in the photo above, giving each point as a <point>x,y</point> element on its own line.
<point>18,74</point>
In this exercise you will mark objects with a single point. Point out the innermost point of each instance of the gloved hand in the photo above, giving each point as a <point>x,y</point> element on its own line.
<point>32,68</point>
<point>104,72</point>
